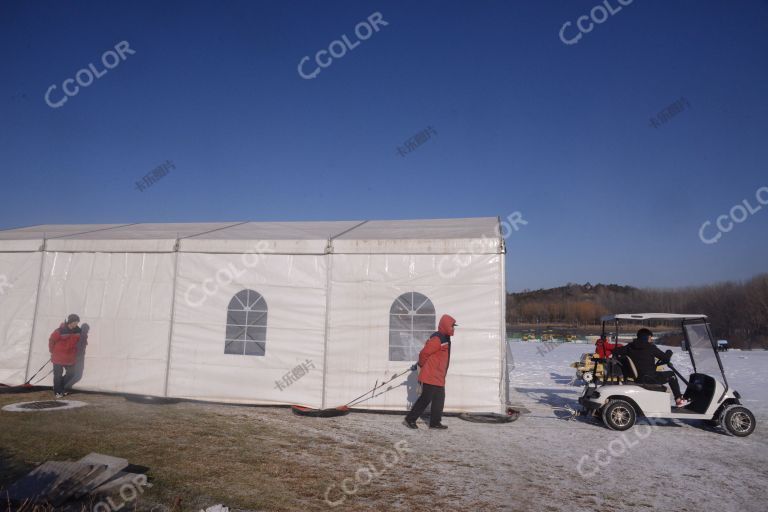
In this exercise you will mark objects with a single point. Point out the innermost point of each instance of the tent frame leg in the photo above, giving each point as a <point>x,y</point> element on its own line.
<point>43,252</point>
<point>173,312</point>
<point>328,277</point>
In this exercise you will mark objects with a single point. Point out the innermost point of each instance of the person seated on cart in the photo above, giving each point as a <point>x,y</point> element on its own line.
<point>644,354</point>
<point>604,348</point>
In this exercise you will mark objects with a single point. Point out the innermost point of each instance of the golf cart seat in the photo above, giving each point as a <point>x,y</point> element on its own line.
<point>629,370</point>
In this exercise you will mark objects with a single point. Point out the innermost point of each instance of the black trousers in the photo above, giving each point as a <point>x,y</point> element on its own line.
<point>433,394</point>
<point>60,381</point>
<point>664,378</point>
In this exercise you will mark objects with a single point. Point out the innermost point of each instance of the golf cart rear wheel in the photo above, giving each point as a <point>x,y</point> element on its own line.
<point>619,415</point>
<point>738,421</point>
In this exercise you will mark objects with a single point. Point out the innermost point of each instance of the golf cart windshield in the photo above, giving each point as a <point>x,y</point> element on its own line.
<point>702,348</point>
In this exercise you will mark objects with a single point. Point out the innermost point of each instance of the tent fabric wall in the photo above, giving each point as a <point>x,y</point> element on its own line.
<point>19,275</point>
<point>156,296</point>
<point>293,287</point>
<point>125,298</point>
<point>363,288</point>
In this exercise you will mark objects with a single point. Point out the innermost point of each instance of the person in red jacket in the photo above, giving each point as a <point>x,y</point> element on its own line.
<point>434,359</point>
<point>605,348</point>
<point>63,345</point>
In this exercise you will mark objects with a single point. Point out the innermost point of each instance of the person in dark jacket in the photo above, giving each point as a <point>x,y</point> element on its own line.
<point>79,366</point>
<point>63,345</point>
<point>645,355</point>
<point>434,359</point>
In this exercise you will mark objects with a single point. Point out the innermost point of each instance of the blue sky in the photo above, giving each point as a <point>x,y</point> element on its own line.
<point>523,122</point>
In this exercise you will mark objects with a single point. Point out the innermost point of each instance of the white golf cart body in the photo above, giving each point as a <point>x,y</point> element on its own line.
<point>658,404</point>
<point>707,389</point>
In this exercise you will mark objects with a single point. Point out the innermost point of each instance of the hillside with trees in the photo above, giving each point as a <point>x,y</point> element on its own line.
<point>738,311</point>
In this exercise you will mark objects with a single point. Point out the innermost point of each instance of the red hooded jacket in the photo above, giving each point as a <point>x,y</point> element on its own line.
<point>63,345</point>
<point>435,357</point>
<point>605,348</point>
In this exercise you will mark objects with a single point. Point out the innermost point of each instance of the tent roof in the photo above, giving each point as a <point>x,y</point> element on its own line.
<point>429,236</point>
<point>435,236</point>
<point>651,316</point>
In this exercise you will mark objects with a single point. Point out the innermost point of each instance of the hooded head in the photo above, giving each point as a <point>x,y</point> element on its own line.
<point>446,325</point>
<point>644,335</point>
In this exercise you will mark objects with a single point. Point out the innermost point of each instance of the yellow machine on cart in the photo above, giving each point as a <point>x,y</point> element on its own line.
<point>588,370</point>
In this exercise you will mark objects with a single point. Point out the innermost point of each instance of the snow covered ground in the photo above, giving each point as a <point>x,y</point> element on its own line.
<point>544,462</point>
<point>581,465</point>
<point>545,367</point>
<point>372,462</point>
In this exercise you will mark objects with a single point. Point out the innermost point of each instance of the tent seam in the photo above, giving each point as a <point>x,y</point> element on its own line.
<point>213,230</point>
<point>94,230</point>
<point>346,231</point>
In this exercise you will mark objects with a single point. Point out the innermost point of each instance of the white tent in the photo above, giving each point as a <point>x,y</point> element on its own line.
<point>312,313</point>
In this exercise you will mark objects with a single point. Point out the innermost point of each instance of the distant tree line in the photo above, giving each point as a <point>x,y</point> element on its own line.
<point>738,311</point>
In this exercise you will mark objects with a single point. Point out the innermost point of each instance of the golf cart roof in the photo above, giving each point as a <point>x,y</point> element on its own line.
<point>650,316</point>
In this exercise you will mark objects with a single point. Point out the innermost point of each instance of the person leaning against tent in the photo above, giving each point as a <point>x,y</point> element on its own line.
<point>434,359</point>
<point>63,345</point>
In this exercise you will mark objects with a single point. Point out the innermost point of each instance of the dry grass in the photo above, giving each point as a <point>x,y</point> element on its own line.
<point>197,454</point>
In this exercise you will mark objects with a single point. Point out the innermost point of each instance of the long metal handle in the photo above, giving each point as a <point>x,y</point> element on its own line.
<point>351,402</point>
<point>38,371</point>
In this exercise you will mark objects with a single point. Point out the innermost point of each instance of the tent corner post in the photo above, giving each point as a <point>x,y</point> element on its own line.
<point>503,330</point>
<point>172,315</point>
<point>43,250</point>
<point>328,278</point>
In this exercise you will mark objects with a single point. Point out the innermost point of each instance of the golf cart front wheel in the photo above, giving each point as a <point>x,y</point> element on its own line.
<point>738,421</point>
<point>619,415</point>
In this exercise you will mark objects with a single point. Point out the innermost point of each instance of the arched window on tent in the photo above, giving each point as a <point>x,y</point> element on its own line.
<point>246,324</point>
<point>411,322</point>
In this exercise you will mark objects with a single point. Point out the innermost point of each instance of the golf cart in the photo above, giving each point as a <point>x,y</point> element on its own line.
<point>620,402</point>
